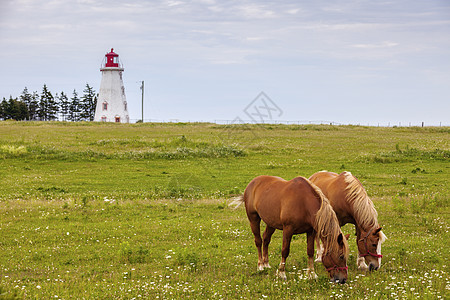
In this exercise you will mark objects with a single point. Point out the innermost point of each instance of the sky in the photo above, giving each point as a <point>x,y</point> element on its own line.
<point>349,62</point>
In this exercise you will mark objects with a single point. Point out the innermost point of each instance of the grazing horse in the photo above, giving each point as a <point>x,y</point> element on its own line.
<point>352,205</point>
<point>295,207</point>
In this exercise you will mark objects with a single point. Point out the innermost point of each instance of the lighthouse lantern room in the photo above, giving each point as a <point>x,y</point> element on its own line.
<point>112,59</point>
<point>111,102</point>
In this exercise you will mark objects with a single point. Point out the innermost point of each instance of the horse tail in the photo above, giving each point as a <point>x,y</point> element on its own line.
<point>248,193</point>
<point>237,201</point>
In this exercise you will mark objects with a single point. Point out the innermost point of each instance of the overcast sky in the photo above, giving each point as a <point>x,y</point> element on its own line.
<point>352,62</point>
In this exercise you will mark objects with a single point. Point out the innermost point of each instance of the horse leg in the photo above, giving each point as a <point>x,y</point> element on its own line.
<point>267,236</point>
<point>287,236</point>
<point>319,251</point>
<point>361,261</point>
<point>255,222</point>
<point>310,237</point>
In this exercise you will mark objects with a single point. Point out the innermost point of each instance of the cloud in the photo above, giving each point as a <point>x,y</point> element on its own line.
<point>385,44</point>
<point>283,45</point>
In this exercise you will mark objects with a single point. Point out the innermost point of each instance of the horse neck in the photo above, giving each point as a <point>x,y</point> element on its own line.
<point>364,212</point>
<point>327,226</point>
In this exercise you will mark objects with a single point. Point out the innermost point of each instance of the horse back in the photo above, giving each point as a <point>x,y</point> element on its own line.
<point>280,203</point>
<point>334,187</point>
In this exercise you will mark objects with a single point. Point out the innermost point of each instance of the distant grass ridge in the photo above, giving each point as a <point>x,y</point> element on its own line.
<point>176,160</point>
<point>174,149</point>
<point>408,155</point>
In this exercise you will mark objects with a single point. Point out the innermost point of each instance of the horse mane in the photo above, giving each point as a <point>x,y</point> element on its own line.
<point>326,223</point>
<point>365,213</point>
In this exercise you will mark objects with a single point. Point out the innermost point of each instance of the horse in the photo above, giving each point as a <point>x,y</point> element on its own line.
<point>352,205</point>
<point>295,207</point>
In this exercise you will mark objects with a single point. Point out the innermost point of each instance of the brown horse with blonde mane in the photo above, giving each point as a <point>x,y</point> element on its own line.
<point>295,207</point>
<point>352,205</point>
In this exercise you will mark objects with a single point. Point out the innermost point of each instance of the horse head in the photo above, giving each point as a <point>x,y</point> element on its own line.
<point>369,246</point>
<point>335,262</point>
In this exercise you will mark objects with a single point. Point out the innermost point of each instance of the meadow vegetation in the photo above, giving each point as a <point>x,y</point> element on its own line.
<point>107,211</point>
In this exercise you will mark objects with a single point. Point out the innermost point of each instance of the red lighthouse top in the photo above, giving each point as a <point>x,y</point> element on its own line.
<point>112,59</point>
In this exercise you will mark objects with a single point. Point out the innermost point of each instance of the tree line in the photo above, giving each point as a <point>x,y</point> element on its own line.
<point>48,107</point>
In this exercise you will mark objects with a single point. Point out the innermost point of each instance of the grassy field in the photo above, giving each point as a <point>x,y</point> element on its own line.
<point>114,211</point>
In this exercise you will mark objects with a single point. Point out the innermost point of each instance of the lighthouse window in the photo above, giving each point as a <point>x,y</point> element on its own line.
<point>103,119</point>
<point>125,105</point>
<point>105,105</point>
<point>116,60</point>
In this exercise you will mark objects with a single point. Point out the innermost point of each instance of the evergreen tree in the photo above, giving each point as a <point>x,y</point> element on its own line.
<point>3,106</point>
<point>26,98</point>
<point>88,103</point>
<point>48,105</point>
<point>53,107</point>
<point>56,100</point>
<point>64,105</point>
<point>22,111</point>
<point>74,108</point>
<point>44,104</point>
<point>13,109</point>
<point>33,107</point>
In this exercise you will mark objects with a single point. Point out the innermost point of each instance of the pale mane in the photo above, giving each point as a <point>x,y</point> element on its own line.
<point>365,213</point>
<point>326,224</point>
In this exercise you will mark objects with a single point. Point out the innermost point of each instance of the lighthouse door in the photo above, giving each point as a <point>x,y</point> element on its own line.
<point>117,119</point>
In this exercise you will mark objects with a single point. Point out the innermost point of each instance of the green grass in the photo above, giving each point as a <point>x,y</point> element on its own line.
<point>126,211</point>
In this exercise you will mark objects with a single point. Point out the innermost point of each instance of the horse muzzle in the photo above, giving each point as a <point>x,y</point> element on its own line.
<point>373,267</point>
<point>336,279</point>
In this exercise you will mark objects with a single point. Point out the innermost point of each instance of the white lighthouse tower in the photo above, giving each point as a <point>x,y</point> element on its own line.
<point>111,101</point>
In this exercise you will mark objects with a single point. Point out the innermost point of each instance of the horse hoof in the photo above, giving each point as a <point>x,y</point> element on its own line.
<point>281,275</point>
<point>260,268</point>
<point>363,268</point>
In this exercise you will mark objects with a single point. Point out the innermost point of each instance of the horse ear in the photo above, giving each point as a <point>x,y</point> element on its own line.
<point>377,230</point>
<point>382,236</point>
<point>340,239</point>
<point>347,236</point>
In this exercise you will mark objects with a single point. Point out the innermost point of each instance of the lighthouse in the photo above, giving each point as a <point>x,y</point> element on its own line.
<point>111,101</point>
